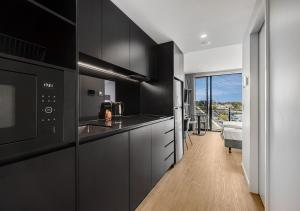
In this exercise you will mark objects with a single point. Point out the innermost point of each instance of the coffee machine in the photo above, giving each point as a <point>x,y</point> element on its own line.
<point>117,109</point>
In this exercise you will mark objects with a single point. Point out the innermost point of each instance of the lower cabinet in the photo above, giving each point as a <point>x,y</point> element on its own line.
<point>104,174</point>
<point>45,183</point>
<point>140,165</point>
<point>116,173</point>
<point>162,149</point>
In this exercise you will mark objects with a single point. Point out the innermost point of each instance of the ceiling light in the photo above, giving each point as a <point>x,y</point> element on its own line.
<point>205,43</point>
<point>203,36</point>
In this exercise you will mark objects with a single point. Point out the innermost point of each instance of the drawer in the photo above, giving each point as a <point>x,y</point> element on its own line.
<point>169,161</point>
<point>164,127</point>
<point>167,138</point>
<point>168,149</point>
<point>168,125</point>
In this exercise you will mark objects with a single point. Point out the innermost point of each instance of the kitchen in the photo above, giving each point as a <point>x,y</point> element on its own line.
<point>91,107</point>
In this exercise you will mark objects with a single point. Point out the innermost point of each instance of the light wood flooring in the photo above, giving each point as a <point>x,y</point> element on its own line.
<point>208,178</point>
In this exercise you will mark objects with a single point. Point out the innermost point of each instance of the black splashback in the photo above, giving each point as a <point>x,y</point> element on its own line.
<point>94,91</point>
<point>128,92</point>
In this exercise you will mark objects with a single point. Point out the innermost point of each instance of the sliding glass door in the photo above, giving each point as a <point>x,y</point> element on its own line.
<point>226,99</point>
<point>220,97</point>
<point>202,98</point>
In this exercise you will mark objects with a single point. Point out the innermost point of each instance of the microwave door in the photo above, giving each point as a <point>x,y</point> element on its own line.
<point>17,107</point>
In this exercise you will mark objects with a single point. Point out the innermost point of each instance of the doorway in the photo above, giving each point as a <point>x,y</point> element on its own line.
<point>220,98</point>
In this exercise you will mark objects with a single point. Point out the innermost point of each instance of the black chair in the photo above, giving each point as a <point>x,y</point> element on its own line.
<point>186,125</point>
<point>202,120</point>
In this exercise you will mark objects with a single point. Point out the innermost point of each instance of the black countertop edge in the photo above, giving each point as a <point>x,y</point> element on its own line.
<point>36,153</point>
<point>96,136</point>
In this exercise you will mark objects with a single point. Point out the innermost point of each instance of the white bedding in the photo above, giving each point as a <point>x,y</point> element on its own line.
<point>232,134</point>
<point>232,124</point>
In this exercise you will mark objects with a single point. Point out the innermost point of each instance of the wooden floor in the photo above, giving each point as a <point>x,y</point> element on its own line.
<point>208,178</point>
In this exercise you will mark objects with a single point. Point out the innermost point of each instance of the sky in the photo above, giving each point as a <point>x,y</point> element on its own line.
<point>225,88</point>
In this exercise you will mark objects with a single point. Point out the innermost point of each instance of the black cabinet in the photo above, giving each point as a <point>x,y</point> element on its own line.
<point>89,27</point>
<point>66,8</point>
<point>115,40</point>
<point>162,148</point>
<point>43,183</point>
<point>169,65</point>
<point>140,165</point>
<point>141,46</point>
<point>36,34</point>
<point>106,33</point>
<point>104,174</point>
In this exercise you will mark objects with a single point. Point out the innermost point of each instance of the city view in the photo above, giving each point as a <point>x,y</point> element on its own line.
<point>225,98</point>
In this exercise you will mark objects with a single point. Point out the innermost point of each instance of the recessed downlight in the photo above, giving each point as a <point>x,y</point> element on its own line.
<point>203,36</point>
<point>205,42</point>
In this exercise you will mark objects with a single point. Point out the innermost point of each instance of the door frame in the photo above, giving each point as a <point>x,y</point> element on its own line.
<point>260,17</point>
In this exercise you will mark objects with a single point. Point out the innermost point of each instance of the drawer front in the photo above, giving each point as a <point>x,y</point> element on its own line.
<point>168,162</point>
<point>168,125</point>
<point>167,150</point>
<point>166,138</point>
<point>164,127</point>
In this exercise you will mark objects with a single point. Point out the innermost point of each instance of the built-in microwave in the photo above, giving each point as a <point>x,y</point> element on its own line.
<point>31,107</point>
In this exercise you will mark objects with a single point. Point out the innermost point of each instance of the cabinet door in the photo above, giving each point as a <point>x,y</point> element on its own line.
<point>115,42</point>
<point>140,165</point>
<point>104,174</point>
<point>89,27</point>
<point>43,183</point>
<point>153,58</point>
<point>139,51</point>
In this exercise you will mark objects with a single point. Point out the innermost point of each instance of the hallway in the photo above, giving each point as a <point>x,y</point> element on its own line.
<point>208,178</point>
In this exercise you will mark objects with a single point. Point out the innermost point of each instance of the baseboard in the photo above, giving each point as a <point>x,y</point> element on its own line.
<point>245,175</point>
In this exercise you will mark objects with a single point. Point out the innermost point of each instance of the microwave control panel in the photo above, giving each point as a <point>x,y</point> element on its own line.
<point>51,105</point>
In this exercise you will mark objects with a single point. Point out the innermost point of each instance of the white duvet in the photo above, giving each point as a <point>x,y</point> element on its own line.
<point>232,124</point>
<point>232,134</point>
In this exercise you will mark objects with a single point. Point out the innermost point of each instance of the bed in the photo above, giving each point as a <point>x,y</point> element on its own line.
<point>232,136</point>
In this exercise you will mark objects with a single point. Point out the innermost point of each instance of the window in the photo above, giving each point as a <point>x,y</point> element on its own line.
<point>220,97</point>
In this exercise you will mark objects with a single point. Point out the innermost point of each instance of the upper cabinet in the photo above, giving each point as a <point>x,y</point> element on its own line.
<point>141,46</point>
<point>39,31</point>
<point>106,33</point>
<point>115,40</point>
<point>178,63</point>
<point>66,8</point>
<point>89,27</point>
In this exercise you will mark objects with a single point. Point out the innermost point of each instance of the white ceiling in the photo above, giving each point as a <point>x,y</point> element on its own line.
<point>226,58</point>
<point>183,21</point>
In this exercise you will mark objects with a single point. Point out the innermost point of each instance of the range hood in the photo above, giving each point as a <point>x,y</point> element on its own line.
<point>98,68</point>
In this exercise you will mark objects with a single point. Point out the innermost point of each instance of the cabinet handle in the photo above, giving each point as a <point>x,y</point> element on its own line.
<point>169,143</point>
<point>169,156</point>
<point>169,131</point>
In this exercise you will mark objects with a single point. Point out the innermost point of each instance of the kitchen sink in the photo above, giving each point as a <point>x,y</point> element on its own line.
<point>88,129</point>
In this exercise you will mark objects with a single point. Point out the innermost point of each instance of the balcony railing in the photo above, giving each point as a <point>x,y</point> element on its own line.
<point>221,115</point>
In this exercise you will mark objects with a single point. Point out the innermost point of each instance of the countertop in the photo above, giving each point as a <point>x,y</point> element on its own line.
<point>96,129</point>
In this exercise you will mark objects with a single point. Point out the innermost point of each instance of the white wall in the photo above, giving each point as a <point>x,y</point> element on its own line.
<point>284,105</point>
<point>250,112</point>
<point>215,59</point>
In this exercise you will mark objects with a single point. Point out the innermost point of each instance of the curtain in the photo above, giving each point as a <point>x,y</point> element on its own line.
<point>190,84</point>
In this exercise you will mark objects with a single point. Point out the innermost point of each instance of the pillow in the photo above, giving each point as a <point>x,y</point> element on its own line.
<point>232,124</point>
